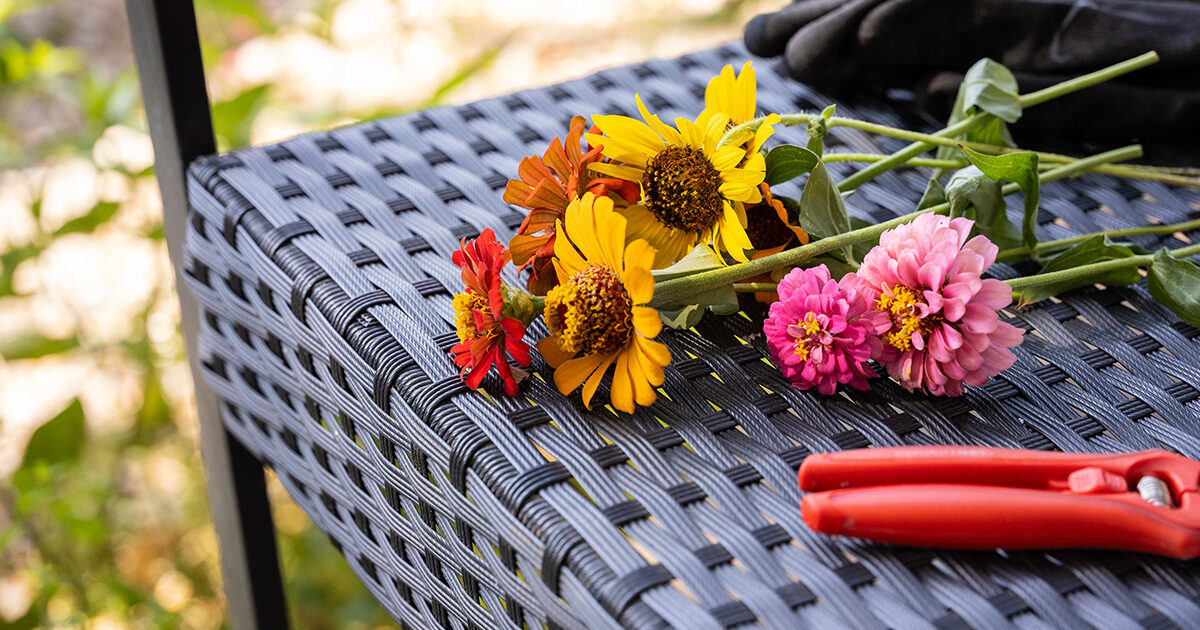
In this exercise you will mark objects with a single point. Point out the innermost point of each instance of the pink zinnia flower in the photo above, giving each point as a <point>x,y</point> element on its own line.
<point>822,332</point>
<point>945,330</point>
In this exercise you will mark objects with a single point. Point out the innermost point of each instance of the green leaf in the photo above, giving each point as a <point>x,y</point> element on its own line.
<point>786,162</point>
<point>102,213</point>
<point>1098,248</point>
<point>685,314</point>
<point>1175,284</point>
<point>992,88</point>
<point>934,195</point>
<point>233,119</point>
<point>59,440</point>
<point>34,346</point>
<point>971,193</point>
<point>993,131</point>
<point>822,210</point>
<point>1021,168</point>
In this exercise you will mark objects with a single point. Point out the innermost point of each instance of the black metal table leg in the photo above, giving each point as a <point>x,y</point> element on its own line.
<point>167,50</point>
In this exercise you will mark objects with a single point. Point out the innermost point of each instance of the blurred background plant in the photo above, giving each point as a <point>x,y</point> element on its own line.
<point>103,516</point>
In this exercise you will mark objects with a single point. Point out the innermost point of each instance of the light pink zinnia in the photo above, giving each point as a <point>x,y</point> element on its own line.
<point>822,332</point>
<point>945,330</point>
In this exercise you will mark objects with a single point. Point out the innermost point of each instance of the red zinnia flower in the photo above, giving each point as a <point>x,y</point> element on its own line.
<point>547,186</point>
<point>487,331</point>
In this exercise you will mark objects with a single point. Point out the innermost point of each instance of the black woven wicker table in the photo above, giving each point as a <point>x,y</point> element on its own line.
<point>323,267</point>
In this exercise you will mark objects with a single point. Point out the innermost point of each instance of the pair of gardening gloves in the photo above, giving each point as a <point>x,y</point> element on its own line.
<point>926,45</point>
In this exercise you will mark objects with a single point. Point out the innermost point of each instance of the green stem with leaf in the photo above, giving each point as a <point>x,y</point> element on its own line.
<point>1049,246</point>
<point>1095,269</point>
<point>676,289</point>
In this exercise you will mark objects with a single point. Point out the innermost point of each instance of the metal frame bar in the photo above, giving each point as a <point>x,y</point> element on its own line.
<point>166,47</point>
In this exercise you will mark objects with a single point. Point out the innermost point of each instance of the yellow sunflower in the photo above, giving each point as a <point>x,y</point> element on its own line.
<point>689,183</point>
<point>595,314</point>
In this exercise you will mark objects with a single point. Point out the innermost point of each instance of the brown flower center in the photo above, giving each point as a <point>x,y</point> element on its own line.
<point>591,313</point>
<point>764,227</point>
<point>681,187</point>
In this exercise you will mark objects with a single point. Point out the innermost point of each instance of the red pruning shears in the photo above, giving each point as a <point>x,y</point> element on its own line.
<point>989,498</point>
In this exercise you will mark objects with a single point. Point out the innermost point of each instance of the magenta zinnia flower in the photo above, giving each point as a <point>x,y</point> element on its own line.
<point>822,332</point>
<point>944,327</point>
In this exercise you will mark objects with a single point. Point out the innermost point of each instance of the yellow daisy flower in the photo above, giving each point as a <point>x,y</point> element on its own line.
<point>595,314</point>
<point>689,184</point>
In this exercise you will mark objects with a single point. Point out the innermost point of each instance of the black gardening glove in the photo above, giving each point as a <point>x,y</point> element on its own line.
<point>926,45</point>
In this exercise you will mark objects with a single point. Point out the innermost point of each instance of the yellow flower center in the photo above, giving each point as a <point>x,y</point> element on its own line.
<point>591,313</point>
<point>464,318</point>
<point>902,304</point>
<point>812,331</point>
<point>681,187</point>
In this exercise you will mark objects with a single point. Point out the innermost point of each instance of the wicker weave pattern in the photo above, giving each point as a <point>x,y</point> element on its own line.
<point>323,266</point>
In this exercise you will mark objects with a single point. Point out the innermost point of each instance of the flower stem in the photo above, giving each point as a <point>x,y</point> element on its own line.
<point>1045,246</point>
<point>1094,269</point>
<point>676,289</point>
<point>755,287</point>
<point>1149,173</point>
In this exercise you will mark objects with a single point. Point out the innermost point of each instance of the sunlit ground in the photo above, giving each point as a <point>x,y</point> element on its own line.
<point>326,63</point>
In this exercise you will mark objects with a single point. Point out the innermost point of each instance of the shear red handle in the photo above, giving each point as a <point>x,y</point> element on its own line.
<point>988,498</point>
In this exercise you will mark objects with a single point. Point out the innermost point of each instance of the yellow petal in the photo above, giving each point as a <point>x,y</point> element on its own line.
<point>646,321</point>
<point>622,150</point>
<point>640,284</point>
<point>639,255</point>
<point>727,157</point>
<point>669,244</point>
<point>629,130</point>
<point>643,393</point>
<point>630,173</point>
<point>734,236</point>
<point>763,132</point>
<point>654,351</point>
<point>570,375</point>
<point>566,259</point>
<point>622,389</point>
<point>552,353</point>
<point>651,371</point>
<point>661,128</point>
<point>581,227</point>
<point>610,233</point>
<point>589,388</point>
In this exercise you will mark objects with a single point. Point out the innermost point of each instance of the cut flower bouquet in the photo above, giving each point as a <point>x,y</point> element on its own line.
<point>636,225</point>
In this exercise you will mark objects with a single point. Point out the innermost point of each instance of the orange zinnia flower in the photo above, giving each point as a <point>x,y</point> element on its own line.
<point>770,232</point>
<point>547,185</point>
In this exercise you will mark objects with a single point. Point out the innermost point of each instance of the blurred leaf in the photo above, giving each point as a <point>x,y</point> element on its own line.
<point>100,214</point>
<point>1021,168</point>
<point>10,260</point>
<point>234,119</point>
<point>786,162</point>
<point>1093,250</point>
<point>34,346</point>
<point>469,69</point>
<point>1175,283</point>
<point>59,440</point>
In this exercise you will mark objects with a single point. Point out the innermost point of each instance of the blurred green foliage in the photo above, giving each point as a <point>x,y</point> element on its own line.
<point>85,523</point>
